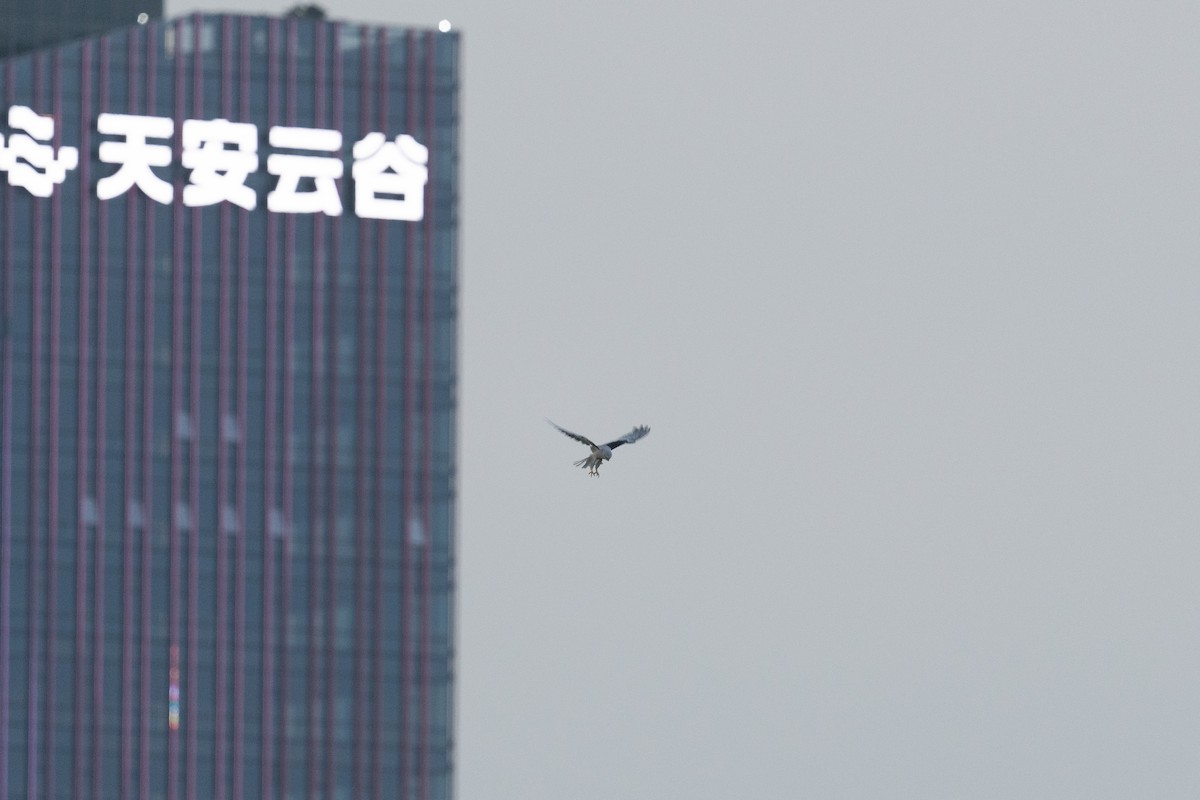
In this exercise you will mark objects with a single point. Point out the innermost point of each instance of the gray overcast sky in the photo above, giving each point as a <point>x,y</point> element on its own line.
<point>908,294</point>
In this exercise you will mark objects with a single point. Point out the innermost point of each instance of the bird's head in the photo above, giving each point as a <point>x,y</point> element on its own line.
<point>605,452</point>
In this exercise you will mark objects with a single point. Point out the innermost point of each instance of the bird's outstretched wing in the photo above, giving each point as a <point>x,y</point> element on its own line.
<point>575,436</point>
<point>628,438</point>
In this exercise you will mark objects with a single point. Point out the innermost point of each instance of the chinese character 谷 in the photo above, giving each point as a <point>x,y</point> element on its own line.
<point>390,177</point>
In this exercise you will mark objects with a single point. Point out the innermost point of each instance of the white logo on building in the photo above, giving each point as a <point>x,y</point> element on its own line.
<point>29,161</point>
<point>389,175</point>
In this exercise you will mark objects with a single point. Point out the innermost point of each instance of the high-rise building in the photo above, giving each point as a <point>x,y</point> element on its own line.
<point>228,325</point>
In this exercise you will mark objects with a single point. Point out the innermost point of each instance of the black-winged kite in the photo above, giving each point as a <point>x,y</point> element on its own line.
<point>603,452</point>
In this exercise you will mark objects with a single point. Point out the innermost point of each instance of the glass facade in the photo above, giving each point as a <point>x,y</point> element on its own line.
<point>29,24</point>
<point>227,434</point>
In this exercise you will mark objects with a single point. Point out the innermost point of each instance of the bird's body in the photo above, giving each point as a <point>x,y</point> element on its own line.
<point>602,452</point>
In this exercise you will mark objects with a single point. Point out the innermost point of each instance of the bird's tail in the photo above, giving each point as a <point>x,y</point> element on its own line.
<point>583,462</point>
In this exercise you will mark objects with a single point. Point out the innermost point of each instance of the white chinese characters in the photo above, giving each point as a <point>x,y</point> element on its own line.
<point>219,174</point>
<point>218,158</point>
<point>323,170</point>
<point>398,194</point>
<point>29,161</point>
<point>135,156</point>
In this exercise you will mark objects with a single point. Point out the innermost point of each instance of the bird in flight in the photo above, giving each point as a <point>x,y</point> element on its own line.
<point>603,452</point>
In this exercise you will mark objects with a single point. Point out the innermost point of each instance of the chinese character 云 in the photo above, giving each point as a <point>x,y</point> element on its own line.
<point>135,155</point>
<point>219,173</point>
<point>30,162</point>
<point>390,177</point>
<point>321,170</point>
